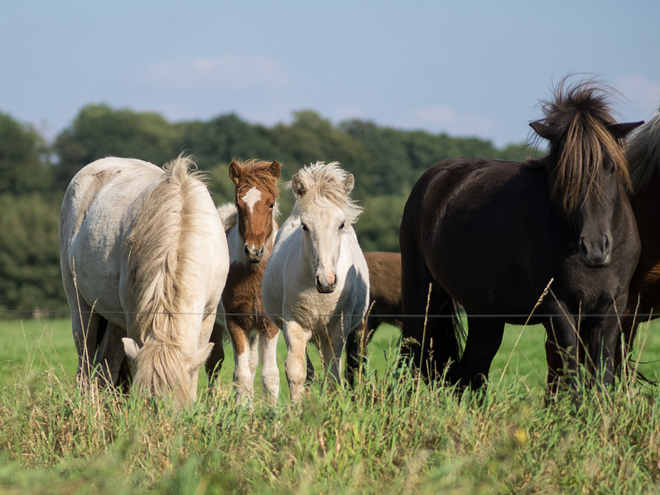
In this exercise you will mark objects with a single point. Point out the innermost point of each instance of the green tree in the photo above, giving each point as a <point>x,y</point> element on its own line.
<point>23,168</point>
<point>99,131</point>
<point>386,167</point>
<point>378,227</point>
<point>30,276</point>
<point>223,138</point>
<point>311,138</point>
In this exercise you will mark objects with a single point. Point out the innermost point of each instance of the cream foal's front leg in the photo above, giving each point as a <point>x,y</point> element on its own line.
<point>270,374</point>
<point>331,346</point>
<point>296,338</point>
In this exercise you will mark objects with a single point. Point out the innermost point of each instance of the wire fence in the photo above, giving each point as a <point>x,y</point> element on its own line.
<point>37,313</point>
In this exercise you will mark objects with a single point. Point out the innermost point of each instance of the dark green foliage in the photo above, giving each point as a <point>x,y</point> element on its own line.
<point>22,169</point>
<point>100,131</point>
<point>223,138</point>
<point>30,277</point>
<point>378,227</point>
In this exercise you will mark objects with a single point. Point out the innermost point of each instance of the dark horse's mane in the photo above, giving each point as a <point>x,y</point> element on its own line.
<point>576,123</point>
<point>258,175</point>
<point>643,154</point>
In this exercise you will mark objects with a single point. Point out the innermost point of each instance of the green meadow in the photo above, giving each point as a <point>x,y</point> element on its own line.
<point>391,434</point>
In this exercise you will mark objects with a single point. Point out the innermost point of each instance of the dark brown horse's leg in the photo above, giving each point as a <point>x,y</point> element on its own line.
<point>216,358</point>
<point>483,342</point>
<point>357,342</point>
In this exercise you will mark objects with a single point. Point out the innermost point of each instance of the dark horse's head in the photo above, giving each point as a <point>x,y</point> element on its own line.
<point>256,197</point>
<point>586,163</point>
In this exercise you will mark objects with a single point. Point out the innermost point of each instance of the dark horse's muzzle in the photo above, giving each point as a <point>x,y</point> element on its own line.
<point>596,251</point>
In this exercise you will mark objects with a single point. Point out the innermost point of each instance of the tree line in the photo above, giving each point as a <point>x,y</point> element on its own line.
<point>34,174</point>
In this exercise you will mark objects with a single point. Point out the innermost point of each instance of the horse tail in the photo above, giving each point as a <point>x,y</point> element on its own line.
<point>447,341</point>
<point>162,249</point>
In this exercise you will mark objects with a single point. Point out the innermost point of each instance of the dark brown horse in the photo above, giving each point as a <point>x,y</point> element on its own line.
<point>643,154</point>
<point>385,300</point>
<point>251,227</point>
<point>491,235</point>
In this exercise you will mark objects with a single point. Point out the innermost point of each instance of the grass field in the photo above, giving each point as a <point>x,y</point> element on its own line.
<point>392,434</point>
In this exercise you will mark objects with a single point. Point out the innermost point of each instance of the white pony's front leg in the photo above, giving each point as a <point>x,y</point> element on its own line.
<point>270,374</point>
<point>296,365</point>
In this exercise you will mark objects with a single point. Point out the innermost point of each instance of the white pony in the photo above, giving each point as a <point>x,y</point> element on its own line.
<point>144,254</point>
<point>316,283</point>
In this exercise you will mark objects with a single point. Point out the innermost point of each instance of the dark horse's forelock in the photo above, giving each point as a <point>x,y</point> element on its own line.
<point>258,175</point>
<point>579,117</point>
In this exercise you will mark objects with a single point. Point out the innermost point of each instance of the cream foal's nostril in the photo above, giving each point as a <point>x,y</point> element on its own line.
<point>330,277</point>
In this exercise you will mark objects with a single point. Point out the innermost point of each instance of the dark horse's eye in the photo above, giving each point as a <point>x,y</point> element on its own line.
<point>609,167</point>
<point>271,206</point>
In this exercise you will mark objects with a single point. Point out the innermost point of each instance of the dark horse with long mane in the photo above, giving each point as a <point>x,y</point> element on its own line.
<point>643,153</point>
<point>491,235</point>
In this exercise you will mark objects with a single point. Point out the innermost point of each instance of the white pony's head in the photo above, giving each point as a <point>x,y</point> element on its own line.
<point>326,213</point>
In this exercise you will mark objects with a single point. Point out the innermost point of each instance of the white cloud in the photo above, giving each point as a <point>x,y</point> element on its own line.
<point>453,122</point>
<point>229,72</point>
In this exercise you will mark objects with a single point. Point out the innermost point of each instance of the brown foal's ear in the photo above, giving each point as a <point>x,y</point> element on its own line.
<point>275,169</point>
<point>297,186</point>
<point>235,172</point>
<point>620,131</point>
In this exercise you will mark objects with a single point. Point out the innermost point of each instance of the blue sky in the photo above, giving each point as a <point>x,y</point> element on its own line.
<point>462,67</point>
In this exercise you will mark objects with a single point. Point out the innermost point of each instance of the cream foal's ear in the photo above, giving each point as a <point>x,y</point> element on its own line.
<point>297,186</point>
<point>200,356</point>
<point>131,348</point>
<point>349,183</point>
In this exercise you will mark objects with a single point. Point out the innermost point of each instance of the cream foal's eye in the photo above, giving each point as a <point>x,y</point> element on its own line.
<point>304,227</point>
<point>342,225</point>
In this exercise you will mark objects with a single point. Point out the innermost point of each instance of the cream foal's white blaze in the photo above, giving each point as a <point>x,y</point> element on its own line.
<point>251,198</point>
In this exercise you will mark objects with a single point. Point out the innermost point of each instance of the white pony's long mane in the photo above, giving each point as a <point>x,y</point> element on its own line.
<point>643,153</point>
<point>324,184</point>
<point>162,246</point>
